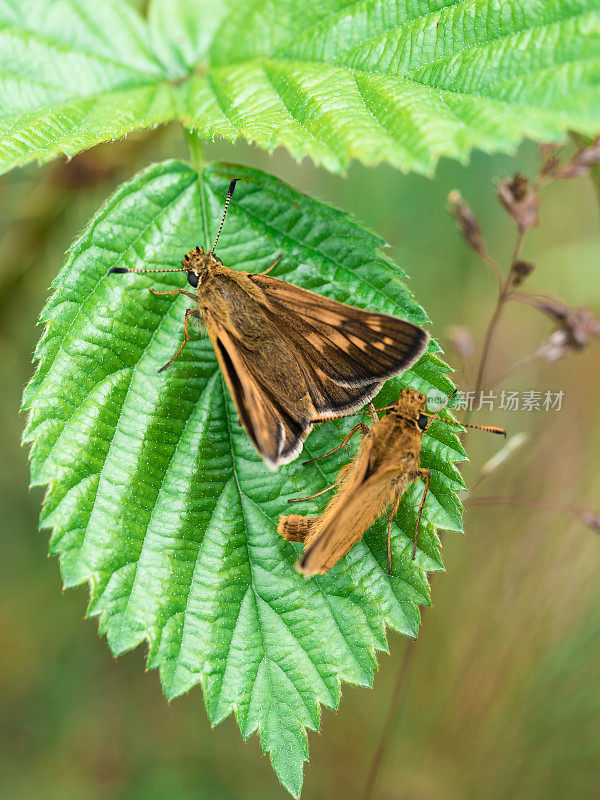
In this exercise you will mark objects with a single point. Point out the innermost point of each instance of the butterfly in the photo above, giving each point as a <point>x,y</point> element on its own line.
<point>388,461</point>
<point>289,357</point>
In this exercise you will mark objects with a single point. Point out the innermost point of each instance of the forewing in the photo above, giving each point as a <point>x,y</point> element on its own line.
<point>325,544</point>
<point>346,352</point>
<point>276,433</point>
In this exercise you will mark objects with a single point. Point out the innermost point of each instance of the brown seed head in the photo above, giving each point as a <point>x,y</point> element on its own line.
<point>520,201</point>
<point>576,327</point>
<point>467,222</point>
<point>521,271</point>
<point>579,324</point>
<point>581,162</point>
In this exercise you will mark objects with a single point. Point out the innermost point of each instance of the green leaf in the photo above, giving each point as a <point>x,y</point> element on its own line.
<point>405,81</point>
<point>157,497</point>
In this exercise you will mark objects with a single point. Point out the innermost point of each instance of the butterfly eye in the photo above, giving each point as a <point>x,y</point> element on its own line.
<point>193,279</point>
<point>422,421</point>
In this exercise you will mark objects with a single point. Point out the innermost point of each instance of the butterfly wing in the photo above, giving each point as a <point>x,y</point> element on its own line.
<point>326,544</point>
<point>290,356</point>
<point>346,352</point>
<point>276,432</point>
<point>347,516</point>
<point>387,461</point>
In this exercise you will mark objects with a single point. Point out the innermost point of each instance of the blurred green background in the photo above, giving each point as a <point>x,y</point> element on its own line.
<point>501,694</point>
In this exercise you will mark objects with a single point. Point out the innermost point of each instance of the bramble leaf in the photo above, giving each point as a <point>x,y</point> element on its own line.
<point>405,81</point>
<point>157,498</point>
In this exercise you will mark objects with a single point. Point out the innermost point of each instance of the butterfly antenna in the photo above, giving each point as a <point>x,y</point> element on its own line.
<point>487,428</point>
<point>227,200</point>
<point>440,409</point>
<point>121,270</point>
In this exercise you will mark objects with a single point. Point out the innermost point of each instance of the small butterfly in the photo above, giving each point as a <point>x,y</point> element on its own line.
<point>289,357</point>
<point>388,461</point>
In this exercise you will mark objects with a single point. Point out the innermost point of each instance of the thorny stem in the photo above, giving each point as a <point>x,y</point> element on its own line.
<point>387,727</point>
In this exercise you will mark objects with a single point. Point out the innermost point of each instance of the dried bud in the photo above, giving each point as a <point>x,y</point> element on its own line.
<point>553,348</point>
<point>590,518</point>
<point>467,222</point>
<point>581,162</point>
<point>521,270</point>
<point>520,201</point>
<point>582,325</point>
<point>462,341</point>
<point>555,309</point>
<point>576,328</point>
<point>518,186</point>
<point>579,324</point>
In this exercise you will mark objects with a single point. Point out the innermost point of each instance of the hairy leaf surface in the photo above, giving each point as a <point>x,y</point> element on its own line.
<point>405,81</point>
<point>156,496</point>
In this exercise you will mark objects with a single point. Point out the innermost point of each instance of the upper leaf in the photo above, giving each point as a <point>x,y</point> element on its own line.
<point>400,80</point>
<point>157,497</point>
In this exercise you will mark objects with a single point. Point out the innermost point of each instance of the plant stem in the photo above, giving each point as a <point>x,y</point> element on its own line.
<point>196,148</point>
<point>387,727</point>
<point>503,295</point>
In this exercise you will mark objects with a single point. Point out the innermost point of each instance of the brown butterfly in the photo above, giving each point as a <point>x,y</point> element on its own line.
<point>289,356</point>
<point>388,461</point>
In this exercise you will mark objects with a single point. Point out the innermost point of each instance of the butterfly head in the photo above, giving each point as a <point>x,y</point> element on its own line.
<point>197,264</point>
<point>410,406</point>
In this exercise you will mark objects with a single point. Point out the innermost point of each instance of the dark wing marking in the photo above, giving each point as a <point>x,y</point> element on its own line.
<point>346,352</point>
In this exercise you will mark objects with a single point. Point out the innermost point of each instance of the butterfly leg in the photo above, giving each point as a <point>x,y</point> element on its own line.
<point>393,512</point>
<point>318,494</point>
<point>361,426</point>
<point>274,264</point>
<point>189,312</point>
<point>423,474</point>
<point>177,291</point>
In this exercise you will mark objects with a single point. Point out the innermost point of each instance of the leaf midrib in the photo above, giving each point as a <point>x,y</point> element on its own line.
<point>257,596</point>
<point>208,388</point>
